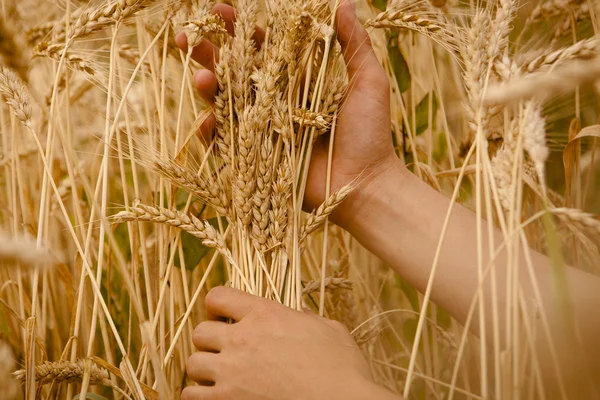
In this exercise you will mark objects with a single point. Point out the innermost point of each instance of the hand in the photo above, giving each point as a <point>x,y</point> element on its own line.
<point>363,150</point>
<point>274,352</point>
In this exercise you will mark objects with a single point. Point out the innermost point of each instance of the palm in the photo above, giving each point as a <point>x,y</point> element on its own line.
<point>363,144</point>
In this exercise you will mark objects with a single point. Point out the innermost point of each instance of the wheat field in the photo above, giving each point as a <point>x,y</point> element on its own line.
<point>118,213</point>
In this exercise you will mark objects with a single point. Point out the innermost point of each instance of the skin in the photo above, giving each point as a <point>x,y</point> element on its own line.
<point>272,352</point>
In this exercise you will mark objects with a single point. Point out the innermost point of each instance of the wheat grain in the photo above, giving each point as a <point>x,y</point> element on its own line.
<point>261,200</point>
<point>209,26</point>
<point>278,215</point>
<point>534,137</point>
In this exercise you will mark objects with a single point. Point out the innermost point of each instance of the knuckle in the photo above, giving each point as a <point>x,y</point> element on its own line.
<point>239,338</point>
<point>198,333</point>
<point>224,392</point>
<point>190,365</point>
<point>215,294</point>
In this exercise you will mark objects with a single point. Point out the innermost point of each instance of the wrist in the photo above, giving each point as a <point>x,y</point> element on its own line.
<point>365,198</point>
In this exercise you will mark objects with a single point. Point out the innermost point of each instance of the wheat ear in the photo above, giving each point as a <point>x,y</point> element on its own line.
<point>331,284</point>
<point>66,372</point>
<point>317,218</point>
<point>587,222</point>
<point>186,222</point>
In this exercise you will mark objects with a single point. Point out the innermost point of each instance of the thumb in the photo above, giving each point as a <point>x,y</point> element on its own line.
<point>354,39</point>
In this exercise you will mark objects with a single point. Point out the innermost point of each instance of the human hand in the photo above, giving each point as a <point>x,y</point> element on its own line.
<point>363,151</point>
<point>274,352</point>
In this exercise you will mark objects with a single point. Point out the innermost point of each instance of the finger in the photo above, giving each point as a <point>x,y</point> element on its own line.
<point>228,14</point>
<point>205,83</point>
<point>232,303</point>
<point>208,335</point>
<point>207,129</point>
<point>206,53</point>
<point>356,45</point>
<point>199,393</point>
<point>201,366</point>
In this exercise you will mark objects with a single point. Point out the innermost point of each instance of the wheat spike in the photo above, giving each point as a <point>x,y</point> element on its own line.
<point>208,192</point>
<point>66,372</point>
<point>587,222</point>
<point>209,26</point>
<point>552,8</point>
<point>15,95</point>
<point>186,222</point>
<point>583,50</point>
<point>331,284</point>
<point>317,218</point>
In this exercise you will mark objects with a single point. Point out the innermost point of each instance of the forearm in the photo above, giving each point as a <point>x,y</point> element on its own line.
<point>401,219</point>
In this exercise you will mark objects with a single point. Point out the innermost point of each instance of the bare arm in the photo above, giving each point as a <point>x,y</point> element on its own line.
<point>400,219</point>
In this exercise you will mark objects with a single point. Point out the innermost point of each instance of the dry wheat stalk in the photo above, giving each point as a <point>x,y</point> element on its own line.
<point>66,372</point>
